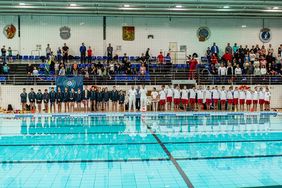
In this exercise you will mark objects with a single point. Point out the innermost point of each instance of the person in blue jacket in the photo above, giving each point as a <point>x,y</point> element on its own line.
<point>78,99</point>
<point>60,98</point>
<point>31,98</point>
<point>66,100</point>
<point>215,49</point>
<point>23,97</point>
<point>93,99</point>
<point>114,98</point>
<point>46,100</point>
<point>72,99</point>
<point>52,96</point>
<point>39,99</point>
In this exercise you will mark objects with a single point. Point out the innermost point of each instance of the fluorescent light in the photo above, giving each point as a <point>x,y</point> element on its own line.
<point>22,4</point>
<point>178,6</point>
<point>73,5</point>
<point>126,6</point>
<point>226,6</point>
<point>275,8</point>
<point>244,26</point>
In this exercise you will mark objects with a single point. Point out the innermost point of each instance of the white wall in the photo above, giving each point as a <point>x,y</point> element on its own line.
<point>11,94</point>
<point>45,29</point>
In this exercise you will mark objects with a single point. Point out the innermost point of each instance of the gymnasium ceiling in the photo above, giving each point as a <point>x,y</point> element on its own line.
<point>153,8</point>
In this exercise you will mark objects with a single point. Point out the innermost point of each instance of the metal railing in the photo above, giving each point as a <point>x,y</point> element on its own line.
<point>155,79</point>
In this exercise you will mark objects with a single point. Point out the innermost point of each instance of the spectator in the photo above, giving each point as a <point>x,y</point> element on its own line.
<point>235,48</point>
<point>280,50</point>
<point>142,70</point>
<point>215,49</point>
<point>257,49</point>
<point>229,71</point>
<point>110,52</point>
<point>214,59</point>
<point>257,71</point>
<point>10,54</point>
<point>238,70</point>
<point>263,51</point>
<point>74,70</point>
<point>82,50</point>
<point>192,68</point>
<point>62,71</point>
<point>227,57</point>
<point>48,51</point>
<point>65,53</point>
<point>160,58</point>
<point>252,56</point>
<point>124,58</point>
<point>270,49</point>
<point>59,55</point>
<point>35,72</point>
<point>6,69</point>
<point>263,71</point>
<point>4,52</point>
<point>89,54</point>
<point>228,48</point>
<point>168,58</point>
<point>147,55</point>
<point>29,69</point>
<point>222,71</point>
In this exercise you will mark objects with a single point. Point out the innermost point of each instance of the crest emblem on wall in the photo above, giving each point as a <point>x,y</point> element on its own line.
<point>9,31</point>
<point>265,35</point>
<point>65,33</point>
<point>203,34</point>
<point>128,33</point>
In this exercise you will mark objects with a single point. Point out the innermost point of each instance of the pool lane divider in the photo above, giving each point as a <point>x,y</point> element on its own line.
<point>137,160</point>
<point>172,159</point>
<point>140,143</point>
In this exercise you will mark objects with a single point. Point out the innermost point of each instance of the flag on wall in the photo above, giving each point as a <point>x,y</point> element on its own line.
<point>128,33</point>
<point>69,82</point>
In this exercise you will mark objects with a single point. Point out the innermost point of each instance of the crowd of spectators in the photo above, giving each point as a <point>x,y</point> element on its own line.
<point>239,61</point>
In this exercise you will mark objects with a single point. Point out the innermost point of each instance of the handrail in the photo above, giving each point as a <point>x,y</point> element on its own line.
<point>153,79</point>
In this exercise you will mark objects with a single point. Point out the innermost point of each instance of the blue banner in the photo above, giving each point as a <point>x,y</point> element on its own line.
<point>69,82</point>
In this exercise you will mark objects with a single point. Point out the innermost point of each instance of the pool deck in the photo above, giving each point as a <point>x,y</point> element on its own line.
<point>137,114</point>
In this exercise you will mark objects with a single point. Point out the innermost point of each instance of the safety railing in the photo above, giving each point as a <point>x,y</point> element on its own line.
<point>149,79</point>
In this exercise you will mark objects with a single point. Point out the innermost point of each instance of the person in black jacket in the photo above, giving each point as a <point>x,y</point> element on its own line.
<point>93,99</point>
<point>23,96</point>
<point>39,99</point>
<point>52,96</point>
<point>66,99</point>
<point>60,98</point>
<point>121,100</point>
<point>99,99</point>
<point>31,98</point>
<point>106,98</point>
<point>78,99</point>
<point>72,99</point>
<point>114,98</point>
<point>46,100</point>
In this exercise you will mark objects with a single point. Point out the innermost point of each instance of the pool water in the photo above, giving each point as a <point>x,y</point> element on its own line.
<point>204,150</point>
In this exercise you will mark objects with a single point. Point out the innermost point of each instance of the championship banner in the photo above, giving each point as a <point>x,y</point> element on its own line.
<point>69,82</point>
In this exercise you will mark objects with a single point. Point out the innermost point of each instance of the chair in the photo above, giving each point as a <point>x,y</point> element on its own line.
<point>25,57</point>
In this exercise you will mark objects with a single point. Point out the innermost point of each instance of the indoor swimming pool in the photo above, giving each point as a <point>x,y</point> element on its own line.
<point>135,150</point>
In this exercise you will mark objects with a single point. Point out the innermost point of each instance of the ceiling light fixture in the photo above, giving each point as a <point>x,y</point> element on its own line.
<point>244,26</point>
<point>275,8</point>
<point>226,6</point>
<point>22,4</point>
<point>126,6</point>
<point>73,5</point>
<point>178,6</point>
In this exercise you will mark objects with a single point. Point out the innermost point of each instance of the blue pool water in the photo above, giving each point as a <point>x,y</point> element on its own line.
<point>243,150</point>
